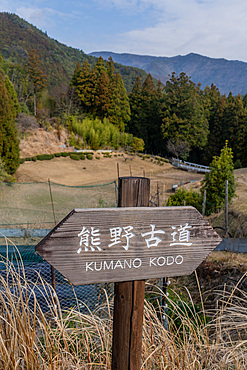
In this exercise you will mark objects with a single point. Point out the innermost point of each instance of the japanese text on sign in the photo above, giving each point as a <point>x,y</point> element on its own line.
<point>90,237</point>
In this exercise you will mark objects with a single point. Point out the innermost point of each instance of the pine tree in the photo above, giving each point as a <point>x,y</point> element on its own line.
<point>9,144</point>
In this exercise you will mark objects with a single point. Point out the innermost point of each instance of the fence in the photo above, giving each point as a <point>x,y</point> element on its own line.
<point>42,204</point>
<point>34,206</point>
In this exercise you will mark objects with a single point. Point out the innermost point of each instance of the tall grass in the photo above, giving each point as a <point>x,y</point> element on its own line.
<point>33,339</point>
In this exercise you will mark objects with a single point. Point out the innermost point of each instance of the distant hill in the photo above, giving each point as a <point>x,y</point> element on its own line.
<point>18,37</point>
<point>226,75</point>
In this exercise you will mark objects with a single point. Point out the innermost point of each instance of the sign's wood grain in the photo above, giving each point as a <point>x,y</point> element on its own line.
<point>122,244</point>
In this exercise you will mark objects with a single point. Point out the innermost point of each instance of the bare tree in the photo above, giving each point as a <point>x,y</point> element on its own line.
<point>178,148</point>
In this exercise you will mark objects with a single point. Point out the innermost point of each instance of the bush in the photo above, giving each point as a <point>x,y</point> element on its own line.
<point>65,154</point>
<point>190,197</point>
<point>89,156</point>
<point>34,159</point>
<point>82,156</point>
<point>58,154</point>
<point>75,157</point>
<point>45,157</point>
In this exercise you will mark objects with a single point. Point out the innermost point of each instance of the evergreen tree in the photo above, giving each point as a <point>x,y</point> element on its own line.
<point>36,75</point>
<point>146,103</point>
<point>184,117</point>
<point>102,95</point>
<point>119,109</point>
<point>136,102</point>
<point>235,121</point>
<point>12,94</point>
<point>85,87</point>
<point>9,144</point>
<point>217,132</point>
<point>214,183</point>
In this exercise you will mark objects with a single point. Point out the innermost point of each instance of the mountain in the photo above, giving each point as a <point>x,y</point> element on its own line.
<point>18,37</point>
<point>228,76</point>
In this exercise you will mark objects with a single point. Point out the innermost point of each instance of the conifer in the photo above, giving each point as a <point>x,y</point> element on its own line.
<point>9,144</point>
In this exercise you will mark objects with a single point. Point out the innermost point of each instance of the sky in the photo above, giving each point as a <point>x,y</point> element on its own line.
<point>213,28</point>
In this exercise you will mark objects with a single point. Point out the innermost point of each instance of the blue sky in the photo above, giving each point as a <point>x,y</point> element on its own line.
<point>214,28</point>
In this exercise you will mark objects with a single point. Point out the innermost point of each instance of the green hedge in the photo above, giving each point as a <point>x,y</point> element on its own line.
<point>45,157</point>
<point>75,157</point>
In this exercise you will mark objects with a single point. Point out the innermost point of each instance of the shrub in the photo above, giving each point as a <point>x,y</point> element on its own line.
<point>214,182</point>
<point>58,154</point>
<point>44,157</point>
<point>190,197</point>
<point>34,159</point>
<point>75,157</point>
<point>82,156</point>
<point>65,154</point>
<point>89,156</point>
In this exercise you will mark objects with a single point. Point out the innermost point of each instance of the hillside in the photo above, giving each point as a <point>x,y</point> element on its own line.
<point>226,75</point>
<point>18,37</point>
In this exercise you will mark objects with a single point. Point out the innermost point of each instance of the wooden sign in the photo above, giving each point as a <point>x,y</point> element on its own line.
<point>123,244</point>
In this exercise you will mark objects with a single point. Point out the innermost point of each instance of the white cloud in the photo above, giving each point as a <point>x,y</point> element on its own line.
<point>213,28</point>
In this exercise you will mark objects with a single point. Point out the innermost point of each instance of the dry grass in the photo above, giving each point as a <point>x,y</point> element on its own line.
<point>33,339</point>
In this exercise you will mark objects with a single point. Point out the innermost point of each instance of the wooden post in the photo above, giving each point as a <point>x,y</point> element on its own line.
<point>158,195</point>
<point>129,295</point>
<point>53,277</point>
<point>226,208</point>
<point>204,202</point>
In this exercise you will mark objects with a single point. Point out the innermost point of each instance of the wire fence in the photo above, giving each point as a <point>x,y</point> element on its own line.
<point>43,204</point>
<point>25,207</point>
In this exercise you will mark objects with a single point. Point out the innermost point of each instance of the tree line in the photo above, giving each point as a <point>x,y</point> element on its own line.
<point>176,119</point>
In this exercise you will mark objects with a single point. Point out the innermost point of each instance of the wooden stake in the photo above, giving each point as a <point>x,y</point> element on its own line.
<point>129,295</point>
<point>226,208</point>
<point>53,278</point>
<point>204,202</point>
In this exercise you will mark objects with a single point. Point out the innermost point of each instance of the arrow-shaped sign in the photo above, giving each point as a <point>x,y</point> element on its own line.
<point>121,244</point>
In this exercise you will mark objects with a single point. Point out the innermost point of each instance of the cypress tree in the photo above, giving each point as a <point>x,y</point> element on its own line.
<point>36,75</point>
<point>9,145</point>
<point>184,117</point>
<point>85,87</point>
<point>119,110</point>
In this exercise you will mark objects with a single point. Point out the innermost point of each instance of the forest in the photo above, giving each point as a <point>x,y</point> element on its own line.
<point>178,119</point>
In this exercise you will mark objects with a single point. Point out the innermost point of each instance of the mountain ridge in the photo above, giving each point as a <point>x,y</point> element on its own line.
<point>18,37</point>
<point>227,75</point>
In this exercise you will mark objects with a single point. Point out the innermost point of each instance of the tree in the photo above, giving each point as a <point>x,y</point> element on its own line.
<point>184,116</point>
<point>119,109</point>
<point>179,148</point>
<point>146,104</point>
<point>36,75</point>
<point>9,144</point>
<point>190,197</point>
<point>214,183</point>
<point>10,88</point>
